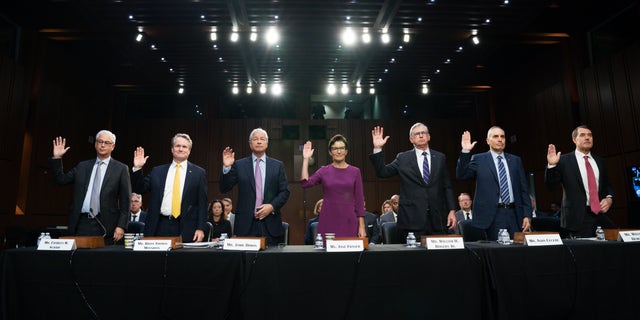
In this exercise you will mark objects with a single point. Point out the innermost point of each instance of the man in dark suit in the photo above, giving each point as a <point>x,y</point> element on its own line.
<point>136,213</point>
<point>427,205</point>
<point>257,213</point>
<point>372,227</point>
<point>101,191</point>
<point>178,193</point>
<point>584,202</point>
<point>498,203</point>
<point>464,201</point>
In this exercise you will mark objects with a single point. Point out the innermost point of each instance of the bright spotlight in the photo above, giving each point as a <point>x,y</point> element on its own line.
<point>425,89</point>
<point>348,37</point>
<point>263,88</point>
<point>344,89</point>
<point>234,37</point>
<point>331,89</point>
<point>385,38</point>
<point>139,37</point>
<point>272,36</point>
<point>276,89</point>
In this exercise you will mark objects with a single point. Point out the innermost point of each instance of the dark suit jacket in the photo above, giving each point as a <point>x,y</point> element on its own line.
<point>482,168</point>
<point>574,196</point>
<point>115,193</point>
<point>416,197</point>
<point>276,193</point>
<point>142,218</point>
<point>372,227</point>
<point>193,207</point>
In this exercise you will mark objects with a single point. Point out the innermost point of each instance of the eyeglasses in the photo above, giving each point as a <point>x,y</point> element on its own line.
<point>258,139</point>
<point>135,200</point>
<point>338,148</point>
<point>106,143</point>
<point>424,133</point>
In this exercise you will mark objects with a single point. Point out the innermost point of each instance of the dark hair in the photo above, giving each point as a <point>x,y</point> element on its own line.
<point>210,209</point>
<point>339,137</point>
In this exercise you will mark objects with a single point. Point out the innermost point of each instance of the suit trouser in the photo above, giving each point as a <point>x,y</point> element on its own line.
<point>589,224</point>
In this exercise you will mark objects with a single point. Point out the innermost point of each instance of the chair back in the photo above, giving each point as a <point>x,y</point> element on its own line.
<point>314,231</point>
<point>209,232</point>
<point>390,233</point>
<point>285,227</point>
<point>471,233</point>
<point>135,227</point>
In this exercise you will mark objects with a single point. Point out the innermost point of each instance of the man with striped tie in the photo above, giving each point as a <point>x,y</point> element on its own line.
<point>502,195</point>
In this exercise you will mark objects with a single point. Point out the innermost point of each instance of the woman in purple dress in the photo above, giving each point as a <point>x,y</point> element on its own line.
<point>342,210</point>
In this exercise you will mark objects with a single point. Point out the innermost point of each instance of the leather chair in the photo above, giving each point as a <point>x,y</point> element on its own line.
<point>314,231</point>
<point>390,233</point>
<point>208,235</point>
<point>135,227</point>
<point>471,233</point>
<point>285,227</point>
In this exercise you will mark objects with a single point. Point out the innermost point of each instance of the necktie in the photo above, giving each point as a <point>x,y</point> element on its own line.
<point>175,193</point>
<point>425,167</point>
<point>468,216</point>
<point>258,177</point>
<point>94,203</point>
<point>133,217</point>
<point>594,199</point>
<point>504,185</point>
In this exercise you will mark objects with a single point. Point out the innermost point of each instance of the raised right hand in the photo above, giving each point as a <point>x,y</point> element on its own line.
<point>307,151</point>
<point>377,135</point>
<point>553,157</point>
<point>466,143</point>
<point>138,158</point>
<point>59,148</point>
<point>228,157</point>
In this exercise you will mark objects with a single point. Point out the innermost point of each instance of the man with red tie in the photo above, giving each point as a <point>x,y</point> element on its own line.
<point>587,190</point>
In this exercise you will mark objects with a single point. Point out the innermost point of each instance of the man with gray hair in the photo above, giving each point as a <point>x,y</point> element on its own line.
<point>100,205</point>
<point>262,189</point>
<point>502,190</point>
<point>427,204</point>
<point>178,193</point>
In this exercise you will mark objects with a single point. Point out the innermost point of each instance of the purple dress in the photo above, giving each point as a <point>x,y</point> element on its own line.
<point>343,199</point>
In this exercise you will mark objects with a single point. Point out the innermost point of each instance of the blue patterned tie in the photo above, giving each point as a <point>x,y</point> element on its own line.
<point>504,185</point>
<point>425,168</point>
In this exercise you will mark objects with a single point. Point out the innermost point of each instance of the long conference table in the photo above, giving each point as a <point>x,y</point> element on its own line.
<point>580,279</point>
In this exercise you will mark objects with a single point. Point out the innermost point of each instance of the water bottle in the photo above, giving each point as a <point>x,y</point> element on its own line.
<point>223,236</point>
<point>318,242</point>
<point>600,234</point>
<point>411,240</point>
<point>40,237</point>
<point>47,236</point>
<point>506,239</point>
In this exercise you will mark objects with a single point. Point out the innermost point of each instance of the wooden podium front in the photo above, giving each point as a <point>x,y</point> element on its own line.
<point>87,242</point>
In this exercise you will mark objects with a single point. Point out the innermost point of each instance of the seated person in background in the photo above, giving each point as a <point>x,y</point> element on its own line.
<point>220,224</point>
<point>386,207</point>
<point>135,212</point>
<point>228,211</point>
<point>308,235</point>
<point>464,201</point>
<point>371,227</point>
<point>391,216</point>
<point>554,211</point>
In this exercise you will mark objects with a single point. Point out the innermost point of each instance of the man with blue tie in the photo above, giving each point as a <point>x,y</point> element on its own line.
<point>262,189</point>
<point>501,198</point>
<point>427,204</point>
<point>102,187</point>
<point>178,193</point>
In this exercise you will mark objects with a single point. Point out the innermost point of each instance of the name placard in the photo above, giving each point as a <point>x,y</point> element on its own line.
<point>152,245</point>
<point>345,245</point>
<point>444,243</point>
<point>57,244</point>
<point>546,239</point>
<point>629,236</point>
<point>242,244</point>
